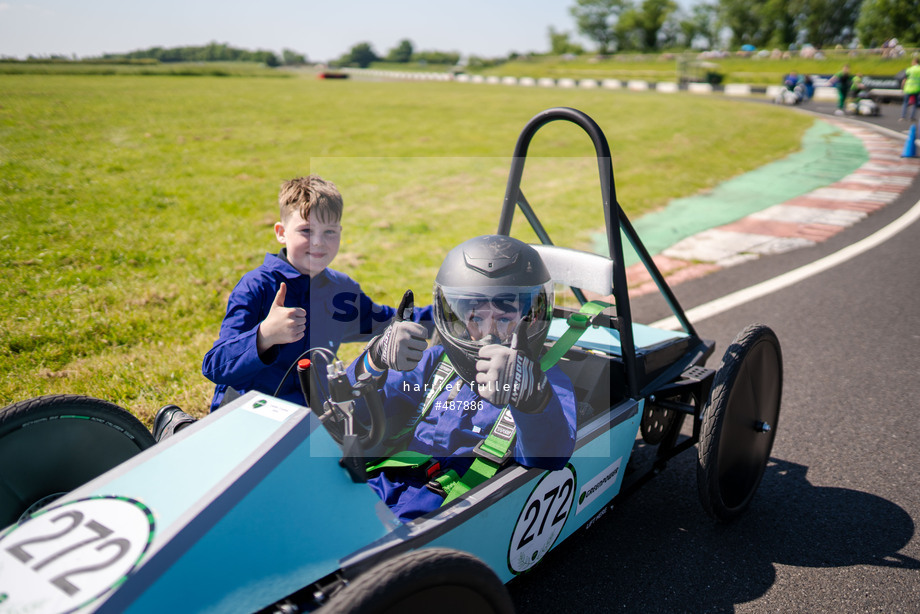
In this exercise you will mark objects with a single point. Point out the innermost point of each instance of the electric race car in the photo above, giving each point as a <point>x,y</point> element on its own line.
<point>264,506</point>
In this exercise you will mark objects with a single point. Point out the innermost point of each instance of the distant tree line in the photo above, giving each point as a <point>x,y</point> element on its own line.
<point>656,25</point>
<point>653,25</point>
<point>630,25</point>
<point>363,54</point>
<point>212,52</point>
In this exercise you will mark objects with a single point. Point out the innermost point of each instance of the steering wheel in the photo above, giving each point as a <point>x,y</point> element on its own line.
<point>371,432</point>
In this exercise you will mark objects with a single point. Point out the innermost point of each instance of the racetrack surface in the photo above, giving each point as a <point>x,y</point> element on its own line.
<point>845,172</point>
<point>833,526</point>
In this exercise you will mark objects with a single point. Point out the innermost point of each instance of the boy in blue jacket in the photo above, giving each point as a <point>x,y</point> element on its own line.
<point>291,303</point>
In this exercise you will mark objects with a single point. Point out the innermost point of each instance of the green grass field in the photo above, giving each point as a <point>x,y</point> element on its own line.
<point>131,205</point>
<point>141,67</point>
<point>671,66</point>
<point>665,67</point>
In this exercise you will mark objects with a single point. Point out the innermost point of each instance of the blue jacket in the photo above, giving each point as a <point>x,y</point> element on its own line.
<point>450,431</point>
<point>337,312</point>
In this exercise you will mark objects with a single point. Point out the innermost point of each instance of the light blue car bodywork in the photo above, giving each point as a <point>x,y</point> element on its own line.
<point>250,505</point>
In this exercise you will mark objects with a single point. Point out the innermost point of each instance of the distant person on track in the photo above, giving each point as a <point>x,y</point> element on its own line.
<point>809,87</point>
<point>911,87</point>
<point>843,81</point>
<point>795,89</point>
<point>858,87</point>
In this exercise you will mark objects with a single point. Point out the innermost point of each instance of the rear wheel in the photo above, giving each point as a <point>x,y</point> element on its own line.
<point>739,423</point>
<point>52,444</point>
<point>423,581</point>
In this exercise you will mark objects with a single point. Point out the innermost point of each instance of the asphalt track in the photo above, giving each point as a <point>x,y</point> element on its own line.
<point>833,525</point>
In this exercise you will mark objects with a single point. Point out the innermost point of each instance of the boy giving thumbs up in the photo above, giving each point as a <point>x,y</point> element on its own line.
<point>293,302</point>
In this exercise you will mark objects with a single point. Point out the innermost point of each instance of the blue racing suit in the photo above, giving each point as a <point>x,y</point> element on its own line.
<point>458,420</point>
<point>337,312</point>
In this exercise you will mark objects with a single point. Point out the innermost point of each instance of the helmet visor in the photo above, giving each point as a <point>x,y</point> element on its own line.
<point>474,317</point>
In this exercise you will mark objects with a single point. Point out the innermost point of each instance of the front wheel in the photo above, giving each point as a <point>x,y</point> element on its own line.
<point>739,423</point>
<point>423,581</point>
<point>52,444</point>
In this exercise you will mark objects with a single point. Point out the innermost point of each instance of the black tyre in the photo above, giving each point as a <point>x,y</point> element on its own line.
<point>52,444</point>
<point>424,581</point>
<point>739,423</point>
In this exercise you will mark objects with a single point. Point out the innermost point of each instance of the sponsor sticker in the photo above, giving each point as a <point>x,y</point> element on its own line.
<point>597,485</point>
<point>272,408</point>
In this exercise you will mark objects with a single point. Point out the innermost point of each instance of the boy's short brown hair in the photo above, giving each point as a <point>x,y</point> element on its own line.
<point>311,193</point>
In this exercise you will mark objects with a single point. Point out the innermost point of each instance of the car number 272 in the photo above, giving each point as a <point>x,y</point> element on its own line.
<point>72,554</point>
<point>541,519</point>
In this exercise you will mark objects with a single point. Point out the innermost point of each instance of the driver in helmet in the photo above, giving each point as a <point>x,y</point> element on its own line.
<point>493,302</point>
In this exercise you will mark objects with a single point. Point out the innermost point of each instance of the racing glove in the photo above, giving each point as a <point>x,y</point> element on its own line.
<point>401,345</point>
<point>506,375</point>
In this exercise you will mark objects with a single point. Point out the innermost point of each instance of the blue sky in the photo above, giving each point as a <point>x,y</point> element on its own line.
<point>320,29</point>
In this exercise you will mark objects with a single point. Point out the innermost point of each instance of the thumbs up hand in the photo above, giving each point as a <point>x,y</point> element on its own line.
<point>512,375</point>
<point>282,325</point>
<point>402,344</point>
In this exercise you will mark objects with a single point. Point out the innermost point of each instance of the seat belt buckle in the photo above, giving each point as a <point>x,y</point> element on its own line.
<point>435,487</point>
<point>441,483</point>
<point>498,445</point>
<point>483,451</point>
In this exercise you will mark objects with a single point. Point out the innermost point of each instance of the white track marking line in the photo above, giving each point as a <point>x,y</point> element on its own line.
<point>735,299</point>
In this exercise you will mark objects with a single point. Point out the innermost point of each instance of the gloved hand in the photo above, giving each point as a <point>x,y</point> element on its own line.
<point>401,345</point>
<point>508,375</point>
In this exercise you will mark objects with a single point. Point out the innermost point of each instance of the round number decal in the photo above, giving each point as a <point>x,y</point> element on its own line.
<point>70,555</point>
<point>542,519</point>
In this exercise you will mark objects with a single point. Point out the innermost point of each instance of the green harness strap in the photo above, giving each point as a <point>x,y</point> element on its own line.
<point>404,459</point>
<point>407,459</point>
<point>492,451</point>
<point>496,447</point>
<point>578,324</point>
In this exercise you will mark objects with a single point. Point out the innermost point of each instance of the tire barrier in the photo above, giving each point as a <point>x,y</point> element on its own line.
<point>666,87</point>
<point>635,85</point>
